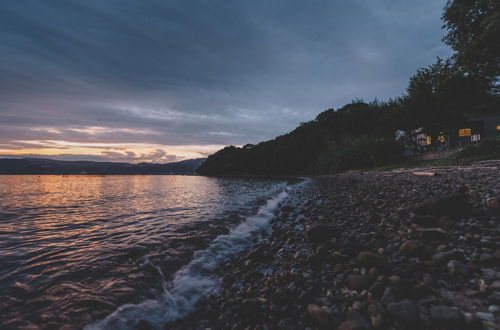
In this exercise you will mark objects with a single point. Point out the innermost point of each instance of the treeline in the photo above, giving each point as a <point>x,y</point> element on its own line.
<point>361,135</point>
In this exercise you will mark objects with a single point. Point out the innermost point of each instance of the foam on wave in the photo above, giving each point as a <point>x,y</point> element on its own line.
<point>195,280</point>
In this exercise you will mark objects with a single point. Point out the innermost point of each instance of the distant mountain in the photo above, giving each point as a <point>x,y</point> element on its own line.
<point>50,166</point>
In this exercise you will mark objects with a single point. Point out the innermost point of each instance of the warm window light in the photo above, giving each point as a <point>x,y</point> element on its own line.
<point>464,132</point>
<point>498,127</point>
<point>441,139</point>
<point>428,140</point>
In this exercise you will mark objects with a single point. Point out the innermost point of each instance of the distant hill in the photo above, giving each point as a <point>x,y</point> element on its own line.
<point>50,166</point>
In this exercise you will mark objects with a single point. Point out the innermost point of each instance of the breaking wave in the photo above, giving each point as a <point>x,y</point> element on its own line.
<point>195,280</point>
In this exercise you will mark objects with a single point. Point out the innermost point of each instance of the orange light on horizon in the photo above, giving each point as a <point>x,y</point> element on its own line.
<point>130,152</point>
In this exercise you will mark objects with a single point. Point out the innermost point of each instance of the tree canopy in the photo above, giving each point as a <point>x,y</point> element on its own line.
<point>474,33</point>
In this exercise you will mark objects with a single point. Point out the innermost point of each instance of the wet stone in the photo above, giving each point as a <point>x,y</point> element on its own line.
<point>455,267</point>
<point>320,233</point>
<point>359,282</point>
<point>405,312</point>
<point>447,317</point>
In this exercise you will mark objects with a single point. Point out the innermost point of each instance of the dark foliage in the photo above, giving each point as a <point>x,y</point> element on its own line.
<point>440,95</point>
<point>474,33</point>
<point>357,135</point>
<point>490,148</point>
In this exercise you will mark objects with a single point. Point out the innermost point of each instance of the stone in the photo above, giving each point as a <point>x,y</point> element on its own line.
<point>495,285</point>
<point>486,316</point>
<point>357,319</point>
<point>370,259</point>
<point>314,260</point>
<point>486,258</point>
<point>351,325</point>
<point>494,309</point>
<point>323,249</point>
<point>494,298</point>
<point>289,323</point>
<point>431,234</point>
<point>446,317</point>
<point>320,233</point>
<point>388,297</point>
<point>411,248</point>
<point>444,257</point>
<point>375,312</point>
<point>405,312</point>
<point>359,282</point>
<point>377,290</point>
<point>322,316</point>
<point>143,325</point>
<point>455,267</point>
<point>424,220</point>
<point>453,205</point>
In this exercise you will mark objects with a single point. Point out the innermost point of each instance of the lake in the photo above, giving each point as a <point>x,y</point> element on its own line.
<point>102,251</point>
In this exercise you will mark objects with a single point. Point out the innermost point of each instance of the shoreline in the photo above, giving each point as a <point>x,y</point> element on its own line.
<point>355,250</point>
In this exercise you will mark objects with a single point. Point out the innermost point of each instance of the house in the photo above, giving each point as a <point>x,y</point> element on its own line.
<point>487,126</point>
<point>475,129</point>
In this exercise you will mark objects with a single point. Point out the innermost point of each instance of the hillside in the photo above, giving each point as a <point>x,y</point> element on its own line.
<point>357,135</point>
<point>50,166</point>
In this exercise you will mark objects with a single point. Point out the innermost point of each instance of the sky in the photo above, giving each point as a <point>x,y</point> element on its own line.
<point>168,80</point>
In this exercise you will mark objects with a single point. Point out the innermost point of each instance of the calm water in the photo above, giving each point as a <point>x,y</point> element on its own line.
<point>103,251</point>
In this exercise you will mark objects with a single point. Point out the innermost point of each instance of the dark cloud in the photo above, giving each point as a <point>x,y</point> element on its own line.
<point>200,72</point>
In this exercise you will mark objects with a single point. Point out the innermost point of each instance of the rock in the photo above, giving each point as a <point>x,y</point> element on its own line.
<point>456,267</point>
<point>486,316</point>
<point>394,279</point>
<point>454,205</point>
<point>388,297</point>
<point>493,202</point>
<point>359,282</point>
<point>320,233</point>
<point>444,257</point>
<point>314,260</point>
<point>424,220</point>
<point>143,325</point>
<point>375,312</point>
<point>351,325</point>
<point>412,249</point>
<point>405,312</point>
<point>494,298</point>
<point>322,316</point>
<point>431,234</point>
<point>289,323</point>
<point>258,253</point>
<point>446,317</point>
<point>358,320</point>
<point>377,290</point>
<point>495,285</point>
<point>487,259</point>
<point>370,259</point>
<point>494,309</point>
<point>323,249</point>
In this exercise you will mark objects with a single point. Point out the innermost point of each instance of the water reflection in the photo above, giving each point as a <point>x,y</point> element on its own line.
<point>73,248</point>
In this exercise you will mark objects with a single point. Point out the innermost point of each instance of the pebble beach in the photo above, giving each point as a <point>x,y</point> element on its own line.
<point>373,250</point>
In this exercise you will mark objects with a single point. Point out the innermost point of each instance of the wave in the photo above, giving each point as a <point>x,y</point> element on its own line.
<point>195,280</point>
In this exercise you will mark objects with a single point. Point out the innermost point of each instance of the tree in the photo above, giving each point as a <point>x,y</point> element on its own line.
<point>440,94</point>
<point>474,33</point>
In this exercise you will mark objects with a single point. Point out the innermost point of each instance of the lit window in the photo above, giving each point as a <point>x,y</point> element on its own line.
<point>428,140</point>
<point>498,127</point>
<point>441,139</point>
<point>464,132</point>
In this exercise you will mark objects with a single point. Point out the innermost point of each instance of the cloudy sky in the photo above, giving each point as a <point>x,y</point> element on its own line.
<point>168,80</point>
